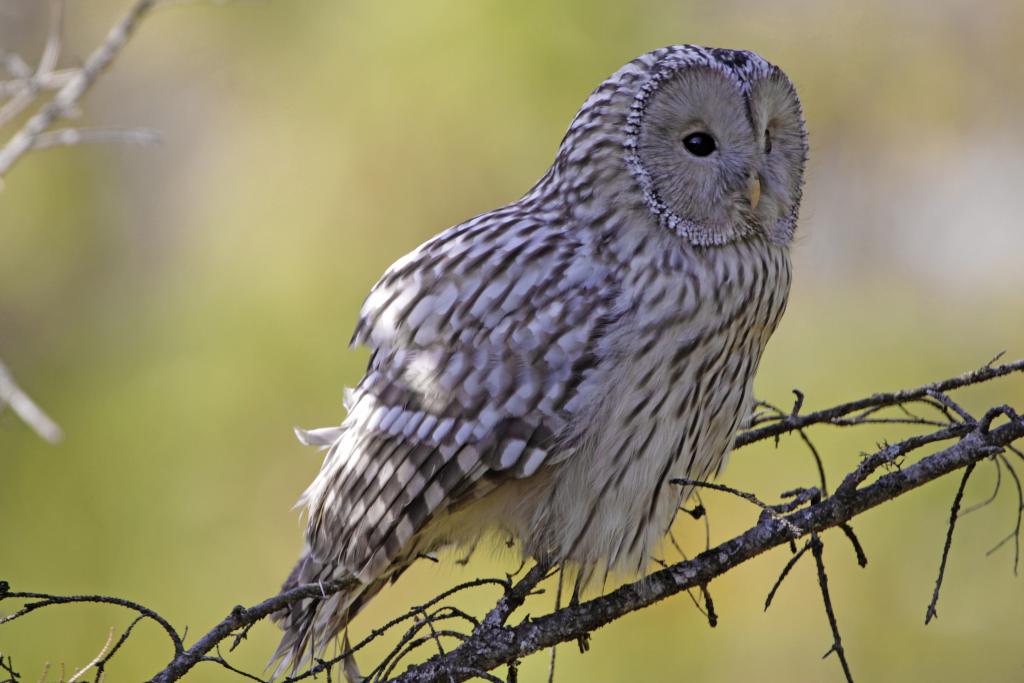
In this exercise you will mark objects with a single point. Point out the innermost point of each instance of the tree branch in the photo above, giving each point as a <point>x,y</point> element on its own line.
<point>239,618</point>
<point>491,646</point>
<point>493,642</point>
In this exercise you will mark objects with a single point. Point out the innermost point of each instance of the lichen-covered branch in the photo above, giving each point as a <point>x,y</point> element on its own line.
<point>491,646</point>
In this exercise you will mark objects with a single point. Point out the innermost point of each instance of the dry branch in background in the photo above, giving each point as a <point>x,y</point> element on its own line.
<point>12,396</point>
<point>54,94</point>
<point>28,88</point>
<point>953,440</point>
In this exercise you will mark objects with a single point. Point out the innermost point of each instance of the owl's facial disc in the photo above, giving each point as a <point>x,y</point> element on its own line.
<point>723,157</point>
<point>775,112</point>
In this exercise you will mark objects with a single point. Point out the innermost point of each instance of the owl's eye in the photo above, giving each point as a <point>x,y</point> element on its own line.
<point>767,141</point>
<point>699,144</point>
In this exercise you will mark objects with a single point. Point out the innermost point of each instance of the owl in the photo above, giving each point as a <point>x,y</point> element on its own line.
<point>545,369</point>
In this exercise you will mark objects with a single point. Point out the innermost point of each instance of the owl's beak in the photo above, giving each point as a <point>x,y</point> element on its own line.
<point>754,190</point>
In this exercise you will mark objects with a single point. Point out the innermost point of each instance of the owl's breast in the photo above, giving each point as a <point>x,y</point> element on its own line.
<point>674,385</point>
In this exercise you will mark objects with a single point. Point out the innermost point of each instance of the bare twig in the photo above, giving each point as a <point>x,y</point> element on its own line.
<point>709,606</point>
<point>1015,534</point>
<point>77,84</point>
<point>54,80</point>
<point>996,463</point>
<point>11,395</point>
<point>817,459</point>
<point>745,495</point>
<point>95,660</point>
<point>41,600</point>
<point>102,663</point>
<point>784,573</point>
<point>7,669</point>
<point>954,513</point>
<point>558,606</point>
<point>858,549</point>
<point>66,137</point>
<point>791,423</point>
<point>837,641</point>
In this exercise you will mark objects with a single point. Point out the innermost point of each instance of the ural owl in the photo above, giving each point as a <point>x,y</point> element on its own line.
<point>546,368</point>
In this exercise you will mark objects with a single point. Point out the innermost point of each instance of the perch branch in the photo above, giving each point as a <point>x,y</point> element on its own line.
<point>491,646</point>
<point>493,641</point>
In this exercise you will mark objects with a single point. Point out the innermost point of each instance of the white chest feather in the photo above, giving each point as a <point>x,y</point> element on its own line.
<point>675,385</point>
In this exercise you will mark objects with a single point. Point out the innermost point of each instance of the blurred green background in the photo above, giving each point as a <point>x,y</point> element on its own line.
<point>179,308</point>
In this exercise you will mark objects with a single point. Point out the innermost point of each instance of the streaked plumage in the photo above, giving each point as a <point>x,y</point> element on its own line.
<point>546,368</point>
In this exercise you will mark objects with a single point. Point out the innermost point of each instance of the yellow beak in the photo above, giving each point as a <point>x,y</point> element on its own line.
<point>754,190</point>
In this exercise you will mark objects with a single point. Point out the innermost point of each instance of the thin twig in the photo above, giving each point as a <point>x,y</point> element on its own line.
<point>558,606</point>
<point>709,605</point>
<point>1015,534</point>
<point>954,512</point>
<point>42,600</point>
<point>55,80</point>
<point>66,137</point>
<point>996,463</point>
<point>745,495</point>
<point>102,663</point>
<point>817,459</point>
<point>689,591</point>
<point>858,549</point>
<point>794,422</point>
<point>837,641</point>
<point>7,667</point>
<point>784,573</point>
<point>95,660</point>
<point>25,408</point>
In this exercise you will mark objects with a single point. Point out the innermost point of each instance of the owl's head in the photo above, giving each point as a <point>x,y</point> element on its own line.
<point>712,140</point>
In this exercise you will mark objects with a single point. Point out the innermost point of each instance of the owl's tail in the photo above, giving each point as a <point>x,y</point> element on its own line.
<point>311,624</point>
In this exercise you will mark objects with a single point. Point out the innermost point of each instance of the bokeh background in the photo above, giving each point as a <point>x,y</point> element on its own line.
<point>179,308</point>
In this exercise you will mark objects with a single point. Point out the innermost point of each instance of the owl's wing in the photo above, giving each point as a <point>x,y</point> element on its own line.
<point>480,339</point>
